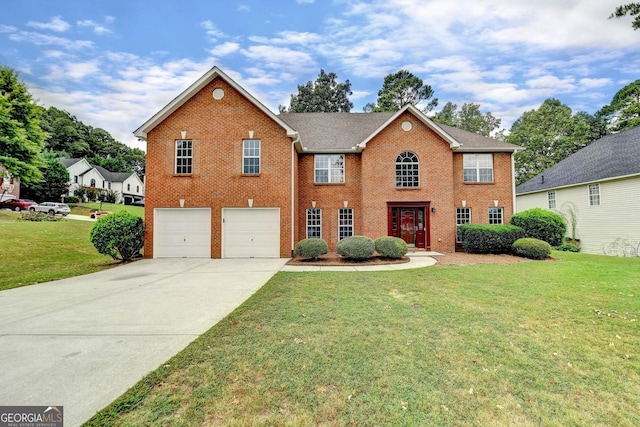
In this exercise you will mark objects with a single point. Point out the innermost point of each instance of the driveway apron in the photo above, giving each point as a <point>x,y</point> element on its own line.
<point>82,342</point>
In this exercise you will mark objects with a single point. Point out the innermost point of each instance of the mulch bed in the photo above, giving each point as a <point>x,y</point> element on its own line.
<point>451,258</point>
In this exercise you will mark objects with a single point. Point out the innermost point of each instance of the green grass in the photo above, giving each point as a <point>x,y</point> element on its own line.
<point>35,252</point>
<point>86,208</point>
<point>536,343</point>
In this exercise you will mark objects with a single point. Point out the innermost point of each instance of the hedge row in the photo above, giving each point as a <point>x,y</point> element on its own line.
<point>354,247</point>
<point>489,239</point>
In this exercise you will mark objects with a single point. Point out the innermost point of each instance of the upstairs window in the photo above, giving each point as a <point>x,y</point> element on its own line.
<point>128,187</point>
<point>551,197</point>
<point>478,167</point>
<point>407,170</point>
<point>594,194</point>
<point>329,168</point>
<point>93,183</point>
<point>184,156</point>
<point>251,156</point>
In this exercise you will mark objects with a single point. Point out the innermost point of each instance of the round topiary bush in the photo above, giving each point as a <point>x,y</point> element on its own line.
<point>391,247</point>
<point>119,235</point>
<point>311,248</point>
<point>356,247</point>
<point>541,224</point>
<point>531,248</point>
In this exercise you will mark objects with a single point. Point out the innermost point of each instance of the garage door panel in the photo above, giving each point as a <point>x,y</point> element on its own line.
<point>182,233</point>
<point>251,233</point>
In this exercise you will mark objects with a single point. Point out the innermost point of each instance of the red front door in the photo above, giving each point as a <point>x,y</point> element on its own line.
<point>408,226</point>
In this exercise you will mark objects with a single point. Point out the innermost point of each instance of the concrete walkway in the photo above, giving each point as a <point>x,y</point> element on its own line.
<point>82,342</point>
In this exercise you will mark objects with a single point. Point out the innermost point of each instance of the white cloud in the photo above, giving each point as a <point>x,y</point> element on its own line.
<point>280,58</point>
<point>7,29</point>
<point>211,30</point>
<point>305,1</point>
<point>243,8</point>
<point>97,28</point>
<point>47,40</point>
<point>225,49</point>
<point>56,24</point>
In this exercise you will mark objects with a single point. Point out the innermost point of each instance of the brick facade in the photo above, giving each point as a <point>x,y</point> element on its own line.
<point>217,128</point>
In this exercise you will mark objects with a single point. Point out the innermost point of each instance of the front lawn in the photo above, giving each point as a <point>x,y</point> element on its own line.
<point>86,208</point>
<point>35,252</point>
<point>536,343</point>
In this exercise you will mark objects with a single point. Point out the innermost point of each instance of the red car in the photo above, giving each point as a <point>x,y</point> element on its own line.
<point>17,204</point>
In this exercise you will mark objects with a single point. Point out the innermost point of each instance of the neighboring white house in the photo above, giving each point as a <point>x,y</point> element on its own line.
<point>599,186</point>
<point>127,185</point>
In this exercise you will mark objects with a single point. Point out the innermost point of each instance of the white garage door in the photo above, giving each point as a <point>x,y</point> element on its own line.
<point>182,233</point>
<point>251,233</point>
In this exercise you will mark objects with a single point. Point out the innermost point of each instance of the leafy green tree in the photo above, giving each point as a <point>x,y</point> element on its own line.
<point>400,89</point>
<point>21,137</point>
<point>325,95</point>
<point>631,9</point>
<point>468,118</point>
<point>624,110</point>
<point>549,134</point>
<point>55,181</point>
<point>66,133</point>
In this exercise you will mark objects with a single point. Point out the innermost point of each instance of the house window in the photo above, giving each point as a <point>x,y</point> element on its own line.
<point>75,179</point>
<point>93,182</point>
<point>184,156</point>
<point>495,215</point>
<point>314,223</point>
<point>407,170</point>
<point>594,194</point>
<point>463,216</point>
<point>251,156</point>
<point>329,168</point>
<point>137,188</point>
<point>478,167</point>
<point>551,196</point>
<point>345,223</point>
<point>128,187</point>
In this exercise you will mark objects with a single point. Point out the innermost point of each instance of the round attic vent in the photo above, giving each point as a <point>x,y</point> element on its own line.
<point>406,126</point>
<point>218,93</point>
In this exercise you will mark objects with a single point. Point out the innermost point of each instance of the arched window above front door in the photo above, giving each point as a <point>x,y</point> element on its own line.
<point>407,170</point>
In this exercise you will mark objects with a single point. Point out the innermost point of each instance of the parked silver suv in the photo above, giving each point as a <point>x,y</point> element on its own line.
<point>52,208</point>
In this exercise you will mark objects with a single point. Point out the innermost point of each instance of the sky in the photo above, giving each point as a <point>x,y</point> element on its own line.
<point>113,64</point>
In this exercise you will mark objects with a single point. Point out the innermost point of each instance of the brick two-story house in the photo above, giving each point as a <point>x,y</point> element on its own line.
<point>227,177</point>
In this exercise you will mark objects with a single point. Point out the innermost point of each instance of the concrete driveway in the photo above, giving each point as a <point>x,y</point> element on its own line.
<point>81,342</point>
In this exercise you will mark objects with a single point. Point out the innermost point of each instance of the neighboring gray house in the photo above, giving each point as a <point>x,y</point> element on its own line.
<point>128,186</point>
<point>599,186</point>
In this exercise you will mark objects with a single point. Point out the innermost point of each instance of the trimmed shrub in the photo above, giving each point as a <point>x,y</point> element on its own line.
<point>391,247</point>
<point>531,248</point>
<point>71,199</point>
<point>485,239</point>
<point>567,247</point>
<point>541,224</point>
<point>119,235</point>
<point>311,248</point>
<point>356,247</point>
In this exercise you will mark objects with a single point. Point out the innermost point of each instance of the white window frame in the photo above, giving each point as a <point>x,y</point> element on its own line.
<point>251,151</point>
<point>463,216</point>
<point>314,223</point>
<point>407,170</point>
<point>345,223</point>
<point>184,157</point>
<point>496,215</point>
<point>476,166</point>
<point>594,195</point>
<point>332,164</point>
<point>551,198</point>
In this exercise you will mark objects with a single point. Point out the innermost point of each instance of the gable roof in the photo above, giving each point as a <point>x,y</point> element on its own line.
<point>350,132</point>
<point>612,156</point>
<point>196,87</point>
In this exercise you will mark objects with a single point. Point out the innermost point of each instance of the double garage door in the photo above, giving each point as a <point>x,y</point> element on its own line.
<point>246,233</point>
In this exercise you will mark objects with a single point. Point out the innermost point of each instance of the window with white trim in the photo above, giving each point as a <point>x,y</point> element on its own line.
<point>345,223</point>
<point>407,170</point>
<point>478,167</point>
<point>495,215</point>
<point>329,168</point>
<point>551,197</point>
<point>184,156</point>
<point>463,216</point>
<point>314,223</point>
<point>251,156</point>
<point>594,194</point>
<point>128,187</point>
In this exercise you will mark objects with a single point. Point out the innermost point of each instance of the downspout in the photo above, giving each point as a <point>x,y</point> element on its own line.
<point>513,182</point>
<point>294,141</point>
